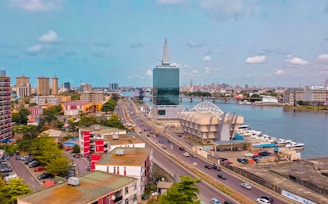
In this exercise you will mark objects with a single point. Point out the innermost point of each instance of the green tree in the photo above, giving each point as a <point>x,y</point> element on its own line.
<point>114,121</point>
<point>76,149</point>
<point>115,96</point>
<point>21,116</point>
<point>51,114</point>
<point>183,192</point>
<point>87,121</point>
<point>11,190</point>
<point>108,106</point>
<point>58,165</point>
<point>28,131</point>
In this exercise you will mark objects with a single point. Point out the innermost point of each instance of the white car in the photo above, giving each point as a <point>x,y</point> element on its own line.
<point>246,185</point>
<point>249,154</point>
<point>262,201</point>
<point>186,154</point>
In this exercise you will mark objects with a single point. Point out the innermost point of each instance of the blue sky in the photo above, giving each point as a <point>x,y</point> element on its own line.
<point>238,42</point>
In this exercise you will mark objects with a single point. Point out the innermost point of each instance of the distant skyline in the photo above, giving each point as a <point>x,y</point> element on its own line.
<point>237,42</point>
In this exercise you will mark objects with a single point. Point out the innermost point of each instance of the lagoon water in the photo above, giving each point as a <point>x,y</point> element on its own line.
<point>310,128</point>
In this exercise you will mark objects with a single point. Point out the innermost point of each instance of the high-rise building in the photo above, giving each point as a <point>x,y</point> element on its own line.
<point>23,86</point>
<point>67,85</point>
<point>54,88</point>
<point>85,87</point>
<point>5,109</point>
<point>43,86</point>
<point>113,87</point>
<point>166,88</point>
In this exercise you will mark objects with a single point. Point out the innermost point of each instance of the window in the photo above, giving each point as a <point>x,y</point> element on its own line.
<point>114,171</point>
<point>126,201</point>
<point>161,112</point>
<point>126,190</point>
<point>134,197</point>
<point>118,170</point>
<point>134,187</point>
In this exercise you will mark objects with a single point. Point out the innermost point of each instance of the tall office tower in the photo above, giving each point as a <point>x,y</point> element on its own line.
<point>85,87</point>
<point>43,86</point>
<point>166,88</point>
<point>5,109</point>
<point>23,86</point>
<point>113,87</point>
<point>54,88</point>
<point>67,85</point>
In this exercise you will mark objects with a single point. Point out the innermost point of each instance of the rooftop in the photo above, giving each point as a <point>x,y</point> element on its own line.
<point>131,157</point>
<point>102,130</point>
<point>75,103</point>
<point>92,187</point>
<point>123,139</point>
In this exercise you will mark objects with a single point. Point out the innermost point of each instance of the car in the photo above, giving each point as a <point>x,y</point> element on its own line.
<point>18,157</point>
<point>269,198</point>
<point>249,154</point>
<point>222,176</point>
<point>45,175</point>
<point>262,201</point>
<point>215,201</point>
<point>186,154</point>
<point>6,169</point>
<point>208,166</point>
<point>246,185</point>
<point>28,160</point>
<point>33,164</point>
<point>38,169</point>
<point>182,148</point>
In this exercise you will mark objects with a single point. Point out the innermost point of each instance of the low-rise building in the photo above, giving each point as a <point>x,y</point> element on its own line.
<point>75,108</point>
<point>133,162</point>
<point>96,187</point>
<point>208,123</point>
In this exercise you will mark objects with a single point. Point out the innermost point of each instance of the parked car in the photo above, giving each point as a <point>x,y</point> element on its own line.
<point>45,175</point>
<point>6,169</point>
<point>38,169</point>
<point>222,176</point>
<point>33,164</point>
<point>28,160</point>
<point>249,154</point>
<point>246,185</point>
<point>262,201</point>
<point>18,157</point>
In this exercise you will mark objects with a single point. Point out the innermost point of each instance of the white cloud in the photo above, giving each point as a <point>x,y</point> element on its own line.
<point>207,58</point>
<point>35,48</point>
<point>296,61</point>
<point>171,1</point>
<point>256,59</point>
<point>149,73</point>
<point>323,57</point>
<point>49,37</point>
<point>185,65</point>
<point>175,64</point>
<point>224,9</point>
<point>279,72</point>
<point>36,5</point>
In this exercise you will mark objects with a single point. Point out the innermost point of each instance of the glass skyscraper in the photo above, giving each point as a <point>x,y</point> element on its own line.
<point>166,88</point>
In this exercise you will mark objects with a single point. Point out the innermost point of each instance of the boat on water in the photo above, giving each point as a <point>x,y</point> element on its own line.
<point>283,141</point>
<point>243,126</point>
<point>295,145</point>
<point>245,102</point>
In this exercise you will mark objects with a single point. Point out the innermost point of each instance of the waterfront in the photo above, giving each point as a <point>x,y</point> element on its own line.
<point>310,128</point>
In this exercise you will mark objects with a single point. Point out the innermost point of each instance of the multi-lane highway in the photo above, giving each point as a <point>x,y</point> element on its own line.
<point>173,144</point>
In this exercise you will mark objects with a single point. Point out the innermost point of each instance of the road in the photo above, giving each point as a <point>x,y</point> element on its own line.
<point>233,181</point>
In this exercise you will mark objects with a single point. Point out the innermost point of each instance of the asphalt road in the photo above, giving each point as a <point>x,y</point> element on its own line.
<point>233,181</point>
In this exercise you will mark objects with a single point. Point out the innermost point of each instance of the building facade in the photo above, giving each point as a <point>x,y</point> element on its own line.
<point>23,86</point>
<point>5,108</point>
<point>113,87</point>
<point>67,86</point>
<point>43,87</point>
<point>132,162</point>
<point>93,96</point>
<point>166,88</point>
<point>291,96</point>
<point>85,87</point>
<point>54,87</point>
<point>316,94</point>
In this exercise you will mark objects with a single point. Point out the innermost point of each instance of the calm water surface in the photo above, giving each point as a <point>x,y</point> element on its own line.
<point>310,128</point>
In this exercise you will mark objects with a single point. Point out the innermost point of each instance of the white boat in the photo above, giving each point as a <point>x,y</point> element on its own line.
<point>243,126</point>
<point>245,102</point>
<point>295,145</point>
<point>283,141</point>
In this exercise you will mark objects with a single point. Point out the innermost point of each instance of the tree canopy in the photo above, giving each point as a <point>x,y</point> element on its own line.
<point>12,189</point>
<point>21,116</point>
<point>114,121</point>
<point>87,121</point>
<point>108,106</point>
<point>183,192</point>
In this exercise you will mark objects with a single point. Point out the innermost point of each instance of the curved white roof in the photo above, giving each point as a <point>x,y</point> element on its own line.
<point>206,106</point>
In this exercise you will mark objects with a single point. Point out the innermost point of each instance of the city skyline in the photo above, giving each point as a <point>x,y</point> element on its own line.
<point>259,43</point>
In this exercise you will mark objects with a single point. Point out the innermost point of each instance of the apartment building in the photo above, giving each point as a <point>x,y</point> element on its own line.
<point>5,109</point>
<point>43,86</point>
<point>23,86</point>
